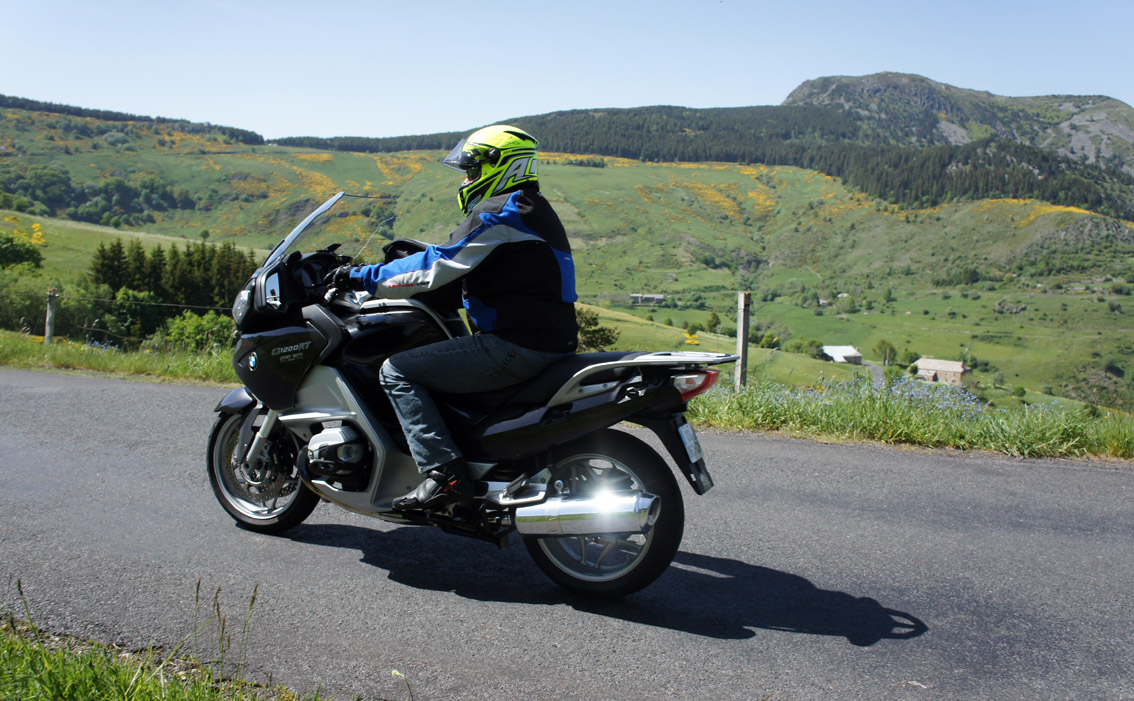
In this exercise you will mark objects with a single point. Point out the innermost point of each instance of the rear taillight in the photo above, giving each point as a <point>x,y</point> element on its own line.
<point>695,383</point>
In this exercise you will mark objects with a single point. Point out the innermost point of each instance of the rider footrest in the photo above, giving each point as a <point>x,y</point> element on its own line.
<point>520,492</point>
<point>516,485</point>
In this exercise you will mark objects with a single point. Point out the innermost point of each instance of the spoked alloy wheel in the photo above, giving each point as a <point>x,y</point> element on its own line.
<point>612,565</point>
<point>269,498</point>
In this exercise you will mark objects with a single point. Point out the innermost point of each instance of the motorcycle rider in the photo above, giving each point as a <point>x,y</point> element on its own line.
<point>514,261</point>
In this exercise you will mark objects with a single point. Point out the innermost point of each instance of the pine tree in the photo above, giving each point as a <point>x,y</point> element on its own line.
<point>156,271</point>
<point>176,277</point>
<point>108,266</point>
<point>136,277</point>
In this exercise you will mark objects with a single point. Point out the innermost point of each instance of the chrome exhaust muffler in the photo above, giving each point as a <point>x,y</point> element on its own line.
<point>610,512</point>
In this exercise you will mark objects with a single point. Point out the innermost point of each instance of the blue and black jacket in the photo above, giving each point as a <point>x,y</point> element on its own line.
<point>514,260</point>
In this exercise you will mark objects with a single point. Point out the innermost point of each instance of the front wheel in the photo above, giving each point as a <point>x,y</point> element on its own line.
<point>268,498</point>
<point>616,564</point>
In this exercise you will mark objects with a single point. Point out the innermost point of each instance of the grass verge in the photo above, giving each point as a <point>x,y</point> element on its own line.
<point>38,665</point>
<point>29,353</point>
<point>903,412</point>
<point>915,413</point>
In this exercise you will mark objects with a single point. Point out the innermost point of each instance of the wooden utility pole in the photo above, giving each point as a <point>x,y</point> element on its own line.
<point>743,305</point>
<point>49,322</point>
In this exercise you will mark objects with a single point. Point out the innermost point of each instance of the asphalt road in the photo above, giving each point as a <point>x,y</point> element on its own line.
<point>810,572</point>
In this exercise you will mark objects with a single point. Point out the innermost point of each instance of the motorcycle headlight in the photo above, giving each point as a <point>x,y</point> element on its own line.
<point>240,306</point>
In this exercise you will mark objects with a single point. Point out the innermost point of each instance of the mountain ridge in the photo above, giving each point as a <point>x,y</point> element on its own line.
<point>1094,129</point>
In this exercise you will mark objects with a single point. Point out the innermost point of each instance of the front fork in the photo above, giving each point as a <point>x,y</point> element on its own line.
<point>254,456</point>
<point>240,400</point>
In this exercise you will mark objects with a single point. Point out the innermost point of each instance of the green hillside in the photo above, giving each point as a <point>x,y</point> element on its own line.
<point>1031,293</point>
<point>880,110</point>
<point>901,138</point>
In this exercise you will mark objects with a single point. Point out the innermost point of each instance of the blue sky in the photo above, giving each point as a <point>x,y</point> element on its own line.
<point>380,68</point>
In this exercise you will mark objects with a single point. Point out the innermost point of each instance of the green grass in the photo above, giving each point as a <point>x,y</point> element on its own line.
<point>35,664</point>
<point>636,333</point>
<point>914,413</point>
<point>29,353</point>
<point>30,669</point>
<point>1055,339</point>
<point>71,244</point>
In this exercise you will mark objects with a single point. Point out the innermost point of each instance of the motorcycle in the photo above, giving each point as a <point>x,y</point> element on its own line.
<point>598,509</point>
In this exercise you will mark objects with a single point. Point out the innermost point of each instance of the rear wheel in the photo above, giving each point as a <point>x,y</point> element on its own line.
<point>615,564</point>
<point>268,498</point>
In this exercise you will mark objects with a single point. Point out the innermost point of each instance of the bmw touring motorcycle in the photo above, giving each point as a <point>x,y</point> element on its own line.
<point>597,508</point>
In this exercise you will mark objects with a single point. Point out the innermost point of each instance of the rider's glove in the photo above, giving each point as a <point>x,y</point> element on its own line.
<point>340,278</point>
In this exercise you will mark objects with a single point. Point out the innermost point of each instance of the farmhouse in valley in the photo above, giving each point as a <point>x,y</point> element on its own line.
<point>934,370</point>
<point>843,354</point>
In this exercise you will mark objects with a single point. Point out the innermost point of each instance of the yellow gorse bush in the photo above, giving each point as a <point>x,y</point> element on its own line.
<point>714,197</point>
<point>34,237</point>
<point>398,168</point>
<point>1039,209</point>
<point>316,157</point>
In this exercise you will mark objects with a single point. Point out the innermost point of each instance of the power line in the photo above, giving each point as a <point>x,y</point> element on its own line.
<point>151,304</point>
<point>31,295</point>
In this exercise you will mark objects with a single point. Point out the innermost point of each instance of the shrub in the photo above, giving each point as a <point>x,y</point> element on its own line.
<point>194,332</point>
<point>14,251</point>
<point>592,336</point>
<point>812,348</point>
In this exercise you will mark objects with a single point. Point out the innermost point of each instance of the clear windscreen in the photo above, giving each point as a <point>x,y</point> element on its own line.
<point>333,222</point>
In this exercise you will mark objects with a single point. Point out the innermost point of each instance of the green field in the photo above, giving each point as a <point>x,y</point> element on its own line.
<point>1043,308</point>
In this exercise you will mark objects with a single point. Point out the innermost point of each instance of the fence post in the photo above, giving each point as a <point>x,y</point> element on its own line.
<point>743,303</point>
<point>49,322</point>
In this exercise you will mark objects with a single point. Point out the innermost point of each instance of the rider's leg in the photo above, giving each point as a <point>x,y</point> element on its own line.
<point>463,365</point>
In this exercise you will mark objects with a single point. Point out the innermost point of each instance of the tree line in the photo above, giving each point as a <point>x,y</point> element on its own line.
<point>129,297</point>
<point>201,275</point>
<point>635,132</point>
<point>241,135</point>
<point>830,140</point>
<point>153,290</point>
<point>49,191</point>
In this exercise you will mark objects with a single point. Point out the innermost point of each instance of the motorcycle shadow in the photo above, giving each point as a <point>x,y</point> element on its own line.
<point>700,594</point>
<point>726,598</point>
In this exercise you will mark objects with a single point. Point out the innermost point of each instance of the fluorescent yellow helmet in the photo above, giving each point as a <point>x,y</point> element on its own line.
<point>495,160</point>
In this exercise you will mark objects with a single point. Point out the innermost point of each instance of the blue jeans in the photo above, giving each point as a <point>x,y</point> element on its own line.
<point>466,365</point>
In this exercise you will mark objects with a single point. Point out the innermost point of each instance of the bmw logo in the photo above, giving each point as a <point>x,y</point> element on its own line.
<point>252,360</point>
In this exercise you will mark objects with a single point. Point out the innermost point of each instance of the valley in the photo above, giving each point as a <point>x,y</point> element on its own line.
<point>1031,294</point>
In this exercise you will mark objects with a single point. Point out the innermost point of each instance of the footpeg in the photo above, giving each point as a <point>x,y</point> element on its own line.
<point>518,492</point>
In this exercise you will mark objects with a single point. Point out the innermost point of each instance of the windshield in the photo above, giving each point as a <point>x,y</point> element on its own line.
<point>333,222</point>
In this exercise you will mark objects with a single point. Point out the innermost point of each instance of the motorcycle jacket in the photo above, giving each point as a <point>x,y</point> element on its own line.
<point>514,261</point>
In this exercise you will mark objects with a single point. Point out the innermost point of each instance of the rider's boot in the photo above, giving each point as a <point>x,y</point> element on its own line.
<point>448,483</point>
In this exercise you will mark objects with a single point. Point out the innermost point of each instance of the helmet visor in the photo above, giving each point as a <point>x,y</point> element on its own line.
<point>459,158</point>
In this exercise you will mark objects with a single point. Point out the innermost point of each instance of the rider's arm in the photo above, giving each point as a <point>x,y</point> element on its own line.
<point>439,265</point>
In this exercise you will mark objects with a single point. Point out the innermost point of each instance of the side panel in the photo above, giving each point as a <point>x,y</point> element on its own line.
<point>271,364</point>
<point>504,435</point>
<point>325,396</point>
